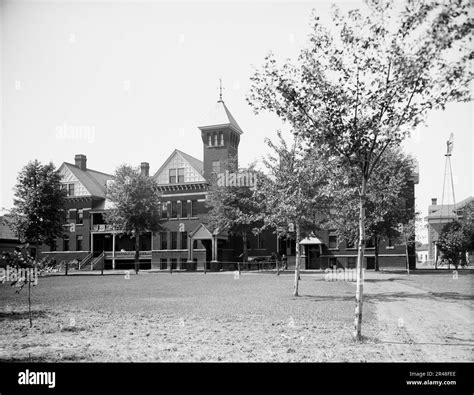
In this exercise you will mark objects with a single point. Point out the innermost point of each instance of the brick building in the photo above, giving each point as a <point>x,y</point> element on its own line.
<point>441,214</point>
<point>186,242</point>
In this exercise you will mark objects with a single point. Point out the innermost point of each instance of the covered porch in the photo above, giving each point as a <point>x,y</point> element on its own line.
<point>212,242</point>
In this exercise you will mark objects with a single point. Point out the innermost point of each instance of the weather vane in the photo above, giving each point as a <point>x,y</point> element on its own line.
<point>220,89</point>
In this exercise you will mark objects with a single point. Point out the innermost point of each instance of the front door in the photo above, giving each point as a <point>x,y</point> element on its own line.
<point>370,263</point>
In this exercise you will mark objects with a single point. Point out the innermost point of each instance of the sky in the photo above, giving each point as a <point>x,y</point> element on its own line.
<point>130,81</point>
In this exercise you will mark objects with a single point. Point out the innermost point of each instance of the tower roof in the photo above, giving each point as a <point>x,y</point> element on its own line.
<point>220,116</point>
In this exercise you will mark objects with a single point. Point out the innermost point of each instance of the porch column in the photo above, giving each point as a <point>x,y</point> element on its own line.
<point>190,249</point>
<point>214,248</point>
<point>113,251</point>
<point>92,243</point>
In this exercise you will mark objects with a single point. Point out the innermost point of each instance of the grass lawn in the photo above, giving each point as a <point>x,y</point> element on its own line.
<point>185,317</point>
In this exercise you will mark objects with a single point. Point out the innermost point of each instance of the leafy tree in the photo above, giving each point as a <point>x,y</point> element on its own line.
<point>39,205</point>
<point>386,204</point>
<point>455,240</point>
<point>22,269</point>
<point>136,205</point>
<point>236,209</point>
<point>293,192</point>
<point>361,85</point>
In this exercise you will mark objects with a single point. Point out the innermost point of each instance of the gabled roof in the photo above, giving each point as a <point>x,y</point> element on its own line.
<point>447,211</point>
<point>94,181</point>
<point>220,116</point>
<point>195,163</point>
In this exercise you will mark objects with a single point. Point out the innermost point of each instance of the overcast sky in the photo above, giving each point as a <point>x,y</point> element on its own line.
<point>137,77</point>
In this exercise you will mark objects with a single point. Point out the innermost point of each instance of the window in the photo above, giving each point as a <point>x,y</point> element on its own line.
<point>53,245</point>
<point>164,210</point>
<point>70,191</point>
<point>174,240</point>
<point>163,263</point>
<point>194,211</point>
<point>80,217</point>
<point>390,243</point>
<point>184,208</point>
<point>79,239</point>
<point>209,139</point>
<point>332,262</point>
<point>172,173</point>
<point>174,263</point>
<point>215,138</point>
<point>216,166</point>
<point>370,243</point>
<point>351,262</point>
<point>174,209</point>
<point>181,175</point>
<point>259,241</point>
<point>183,263</point>
<point>164,240</point>
<point>332,241</point>
<point>221,138</point>
<point>184,240</point>
<point>66,243</point>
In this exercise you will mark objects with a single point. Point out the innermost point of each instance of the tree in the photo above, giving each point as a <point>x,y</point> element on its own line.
<point>363,84</point>
<point>292,192</point>
<point>39,205</point>
<point>455,240</point>
<point>386,205</point>
<point>136,205</point>
<point>22,269</point>
<point>235,208</point>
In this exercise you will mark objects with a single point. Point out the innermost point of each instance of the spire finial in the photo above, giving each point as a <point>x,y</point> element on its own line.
<point>220,89</point>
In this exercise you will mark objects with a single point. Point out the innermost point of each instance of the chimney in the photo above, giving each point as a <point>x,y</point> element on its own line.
<point>81,160</point>
<point>145,169</point>
<point>434,201</point>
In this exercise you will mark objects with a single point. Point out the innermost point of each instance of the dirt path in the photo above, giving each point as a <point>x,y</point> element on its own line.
<point>417,326</point>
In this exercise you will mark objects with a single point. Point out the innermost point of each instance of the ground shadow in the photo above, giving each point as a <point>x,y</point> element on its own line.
<point>396,296</point>
<point>325,298</point>
<point>21,315</point>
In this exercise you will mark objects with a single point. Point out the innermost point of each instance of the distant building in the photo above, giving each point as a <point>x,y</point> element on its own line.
<point>8,241</point>
<point>186,242</point>
<point>422,253</point>
<point>439,215</point>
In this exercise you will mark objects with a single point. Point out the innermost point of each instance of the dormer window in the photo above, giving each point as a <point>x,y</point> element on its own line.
<point>172,176</point>
<point>209,139</point>
<point>215,138</point>
<point>221,138</point>
<point>176,175</point>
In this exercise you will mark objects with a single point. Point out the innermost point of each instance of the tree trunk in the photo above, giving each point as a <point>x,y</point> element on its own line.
<point>376,253</point>
<point>28,278</point>
<point>407,257</point>
<point>137,251</point>
<point>360,261</point>
<point>298,259</point>
<point>245,250</point>
<point>29,297</point>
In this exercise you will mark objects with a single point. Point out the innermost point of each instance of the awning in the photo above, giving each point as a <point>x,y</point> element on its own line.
<point>311,240</point>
